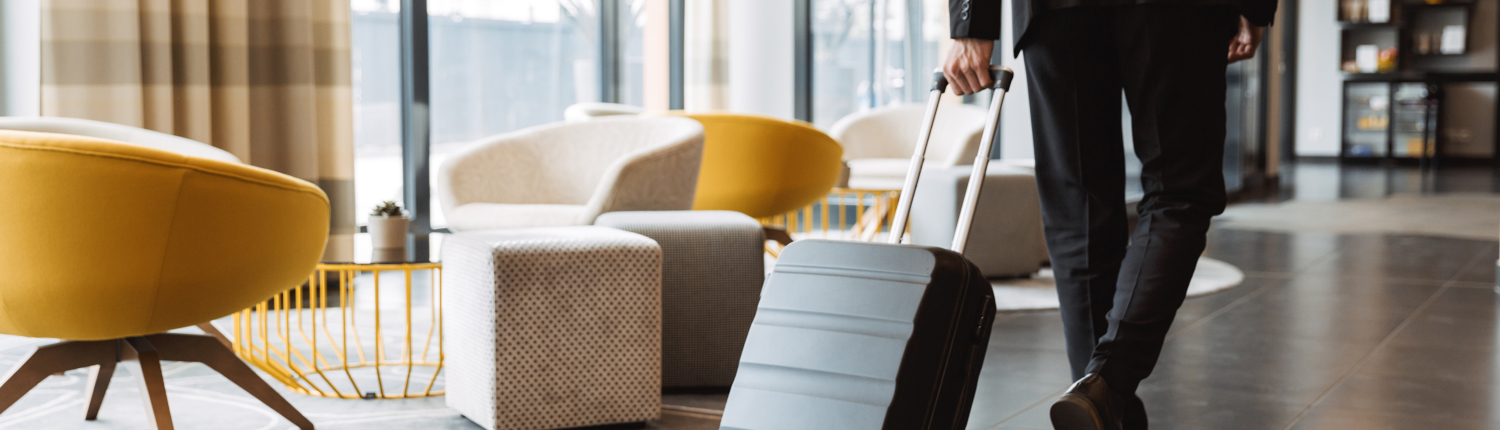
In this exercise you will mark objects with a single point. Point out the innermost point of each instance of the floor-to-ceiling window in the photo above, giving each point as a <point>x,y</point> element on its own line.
<point>872,53</point>
<point>496,66</point>
<point>377,103</point>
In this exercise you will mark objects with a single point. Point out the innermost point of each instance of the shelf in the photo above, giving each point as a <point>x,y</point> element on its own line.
<point>1347,25</point>
<point>1425,5</point>
<point>1384,77</point>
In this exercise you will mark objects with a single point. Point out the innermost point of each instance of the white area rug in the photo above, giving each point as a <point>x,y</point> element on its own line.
<point>1040,292</point>
<point>1459,215</point>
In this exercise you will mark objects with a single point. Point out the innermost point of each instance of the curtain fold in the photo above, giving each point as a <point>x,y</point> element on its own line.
<point>266,80</point>
<point>705,55</point>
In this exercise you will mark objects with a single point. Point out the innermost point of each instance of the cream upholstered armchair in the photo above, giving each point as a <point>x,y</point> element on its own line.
<point>878,142</point>
<point>592,110</point>
<point>568,173</point>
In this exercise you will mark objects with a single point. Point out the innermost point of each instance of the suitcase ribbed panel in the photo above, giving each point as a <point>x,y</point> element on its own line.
<point>828,337</point>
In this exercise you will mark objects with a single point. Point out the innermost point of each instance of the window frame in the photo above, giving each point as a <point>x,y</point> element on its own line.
<point>415,101</point>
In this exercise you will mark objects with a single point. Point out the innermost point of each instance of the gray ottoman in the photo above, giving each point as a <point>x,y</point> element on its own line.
<point>1006,238</point>
<point>712,267</point>
<point>552,327</point>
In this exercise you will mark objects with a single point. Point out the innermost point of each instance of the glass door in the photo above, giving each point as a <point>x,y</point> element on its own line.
<point>1414,117</point>
<point>1366,118</point>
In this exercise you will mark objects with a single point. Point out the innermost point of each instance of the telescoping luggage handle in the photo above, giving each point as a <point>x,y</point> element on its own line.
<point>1001,77</point>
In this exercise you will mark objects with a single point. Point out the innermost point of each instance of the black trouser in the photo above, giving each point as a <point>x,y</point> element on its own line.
<point>1120,292</point>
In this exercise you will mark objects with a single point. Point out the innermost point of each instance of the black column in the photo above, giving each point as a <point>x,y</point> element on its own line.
<point>416,127</point>
<point>802,100</point>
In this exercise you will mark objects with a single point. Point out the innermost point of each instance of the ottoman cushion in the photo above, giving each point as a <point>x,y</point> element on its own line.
<point>552,327</point>
<point>713,265</point>
<point>1006,237</point>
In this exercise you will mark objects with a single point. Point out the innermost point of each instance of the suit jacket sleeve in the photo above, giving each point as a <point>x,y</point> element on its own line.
<point>980,19</point>
<point>1258,12</point>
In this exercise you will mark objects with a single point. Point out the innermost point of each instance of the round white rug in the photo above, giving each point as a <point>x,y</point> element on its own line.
<point>1040,292</point>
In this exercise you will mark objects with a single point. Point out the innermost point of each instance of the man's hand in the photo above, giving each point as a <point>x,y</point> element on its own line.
<point>1242,46</point>
<point>968,65</point>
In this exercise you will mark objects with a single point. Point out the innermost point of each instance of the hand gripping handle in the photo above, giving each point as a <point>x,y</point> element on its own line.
<point>1001,78</point>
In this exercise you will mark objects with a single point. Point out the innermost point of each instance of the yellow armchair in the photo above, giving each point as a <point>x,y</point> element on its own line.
<point>108,245</point>
<point>763,166</point>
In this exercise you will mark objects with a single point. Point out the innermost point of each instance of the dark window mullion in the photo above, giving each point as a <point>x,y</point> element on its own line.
<point>416,126</point>
<point>802,99</point>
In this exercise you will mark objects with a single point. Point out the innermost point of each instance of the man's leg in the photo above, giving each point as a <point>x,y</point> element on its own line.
<point>1173,60</point>
<point>1080,169</point>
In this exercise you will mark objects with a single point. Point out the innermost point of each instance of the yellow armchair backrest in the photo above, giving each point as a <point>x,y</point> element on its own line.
<point>763,166</point>
<point>106,240</point>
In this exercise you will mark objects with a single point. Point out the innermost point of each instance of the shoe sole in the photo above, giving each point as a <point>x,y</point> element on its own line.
<point>1073,412</point>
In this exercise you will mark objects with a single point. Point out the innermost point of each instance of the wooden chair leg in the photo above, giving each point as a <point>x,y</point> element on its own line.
<point>98,383</point>
<point>46,360</point>
<point>207,350</point>
<point>779,235</point>
<point>209,329</point>
<point>147,369</point>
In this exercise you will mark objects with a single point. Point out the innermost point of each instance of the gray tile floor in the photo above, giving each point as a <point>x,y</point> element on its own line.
<point>1327,332</point>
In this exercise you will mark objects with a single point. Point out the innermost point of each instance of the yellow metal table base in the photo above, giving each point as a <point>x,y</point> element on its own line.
<point>341,337</point>
<point>831,218</point>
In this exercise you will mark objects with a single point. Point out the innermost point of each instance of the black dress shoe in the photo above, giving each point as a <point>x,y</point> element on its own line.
<point>1088,405</point>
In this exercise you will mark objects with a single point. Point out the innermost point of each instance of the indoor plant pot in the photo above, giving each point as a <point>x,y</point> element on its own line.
<point>387,227</point>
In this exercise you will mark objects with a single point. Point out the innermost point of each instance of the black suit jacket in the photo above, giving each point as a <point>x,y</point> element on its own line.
<point>980,19</point>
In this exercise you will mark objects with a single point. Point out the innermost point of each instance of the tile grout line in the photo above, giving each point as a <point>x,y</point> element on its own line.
<point>1241,300</point>
<point>1357,365</point>
<point>1169,338</point>
<point>1388,338</point>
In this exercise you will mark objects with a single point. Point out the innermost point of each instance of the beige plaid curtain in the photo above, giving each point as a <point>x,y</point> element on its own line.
<point>267,80</point>
<point>706,55</point>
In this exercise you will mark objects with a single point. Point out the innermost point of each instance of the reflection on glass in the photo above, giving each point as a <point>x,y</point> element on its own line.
<point>495,67</point>
<point>632,55</point>
<point>1414,115</point>
<point>1366,117</point>
<point>1243,131</point>
<point>871,53</point>
<point>376,64</point>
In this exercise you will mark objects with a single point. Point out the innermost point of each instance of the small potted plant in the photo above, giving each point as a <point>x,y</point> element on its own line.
<point>387,228</point>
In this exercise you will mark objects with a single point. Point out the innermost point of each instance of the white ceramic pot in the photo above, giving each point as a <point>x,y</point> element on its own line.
<point>388,232</point>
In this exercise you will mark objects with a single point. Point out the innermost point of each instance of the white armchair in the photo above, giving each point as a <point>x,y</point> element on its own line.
<point>592,110</point>
<point>568,173</point>
<point>123,133</point>
<point>878,142</point>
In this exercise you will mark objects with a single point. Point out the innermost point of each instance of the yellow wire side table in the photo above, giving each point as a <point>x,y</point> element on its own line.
<point>342,336</point>
<point>861,215</point>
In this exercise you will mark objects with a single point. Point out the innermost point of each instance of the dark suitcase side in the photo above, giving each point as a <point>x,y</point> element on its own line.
<point>855,335</point>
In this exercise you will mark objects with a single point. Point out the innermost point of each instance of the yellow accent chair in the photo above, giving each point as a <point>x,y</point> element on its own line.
<point>110,245</point>
<point>762,166</point>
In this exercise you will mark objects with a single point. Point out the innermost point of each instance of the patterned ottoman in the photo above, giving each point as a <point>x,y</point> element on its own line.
<point>713,265</point>
<point>552,327</point>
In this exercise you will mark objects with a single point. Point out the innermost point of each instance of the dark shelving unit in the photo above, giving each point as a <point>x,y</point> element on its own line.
<point>1395,113</point>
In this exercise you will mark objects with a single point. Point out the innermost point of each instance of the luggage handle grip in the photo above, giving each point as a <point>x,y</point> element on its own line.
<point>1001,78</point>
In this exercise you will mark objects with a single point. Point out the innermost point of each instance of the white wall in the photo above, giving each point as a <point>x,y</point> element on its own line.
<point>20,57</point>
<point>1015,120</point>
<point>1319,83</point>
<point>762,67</point>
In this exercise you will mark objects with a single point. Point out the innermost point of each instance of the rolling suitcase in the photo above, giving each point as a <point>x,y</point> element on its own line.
<point>852,335</point>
